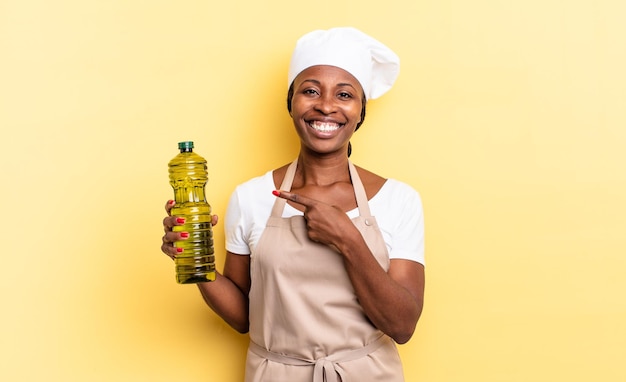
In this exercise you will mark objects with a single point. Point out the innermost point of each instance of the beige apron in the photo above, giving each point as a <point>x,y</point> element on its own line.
<point>306,324</point>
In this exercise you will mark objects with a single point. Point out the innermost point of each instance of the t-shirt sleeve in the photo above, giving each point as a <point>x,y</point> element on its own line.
<point>408,231</point>
<point>235,226</point>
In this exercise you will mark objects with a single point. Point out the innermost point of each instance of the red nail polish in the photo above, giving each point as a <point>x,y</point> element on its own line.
<point>179,250</point>
<point>184,234</point>
<point>180,220</point>
<point>170,202</point>
<point>276,193</point>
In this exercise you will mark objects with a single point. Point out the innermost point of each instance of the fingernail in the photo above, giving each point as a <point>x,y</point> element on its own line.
<point>170,202</point>
<point>184,234</point>
<point>180,220</point>
<point>276,193</point>
<point>179,250</point>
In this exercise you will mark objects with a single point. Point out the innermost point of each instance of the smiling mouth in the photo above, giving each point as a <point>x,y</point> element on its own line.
<point>324,127</point>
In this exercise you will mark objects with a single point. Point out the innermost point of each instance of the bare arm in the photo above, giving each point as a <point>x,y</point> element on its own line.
<point>228,294</point>
<point>392,300</point>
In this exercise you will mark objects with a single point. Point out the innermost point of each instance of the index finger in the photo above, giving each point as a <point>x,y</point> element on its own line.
<point>303,200</point>
<point>168,206</point>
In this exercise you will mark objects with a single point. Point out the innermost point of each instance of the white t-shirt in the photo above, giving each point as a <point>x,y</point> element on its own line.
<point>397,208</point>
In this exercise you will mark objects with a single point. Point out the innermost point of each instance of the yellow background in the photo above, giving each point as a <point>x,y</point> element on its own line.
<point>508,117</point>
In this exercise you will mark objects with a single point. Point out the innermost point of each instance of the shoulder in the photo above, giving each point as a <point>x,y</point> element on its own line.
<point>372,182</point>
<point>399,187</point>
<point>278,175</point>
<point>400,192</point>
<point>375,184</point>
<point>397,198</point>
<point>250,201</point>
<point>256,182</point>
<point>252,190</point>
<point>259,189</point>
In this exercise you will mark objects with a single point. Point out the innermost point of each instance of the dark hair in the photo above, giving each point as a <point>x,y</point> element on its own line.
<point>363,101</point>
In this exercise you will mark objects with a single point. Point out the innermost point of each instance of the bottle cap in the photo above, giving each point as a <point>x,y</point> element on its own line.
<point>186,145</point>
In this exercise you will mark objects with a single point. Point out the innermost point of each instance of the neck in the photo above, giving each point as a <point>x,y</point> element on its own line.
<point>322,171</point>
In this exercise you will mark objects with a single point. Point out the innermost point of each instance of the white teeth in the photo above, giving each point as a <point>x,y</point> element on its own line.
<point>324,126</point>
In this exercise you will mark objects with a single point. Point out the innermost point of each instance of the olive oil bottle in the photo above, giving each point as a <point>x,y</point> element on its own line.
<point>188,177</point>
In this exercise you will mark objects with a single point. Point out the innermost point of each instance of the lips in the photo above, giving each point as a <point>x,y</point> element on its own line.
<point>324,127</point>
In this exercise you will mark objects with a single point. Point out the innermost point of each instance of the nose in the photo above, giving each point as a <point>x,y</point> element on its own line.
<point>326,104</point>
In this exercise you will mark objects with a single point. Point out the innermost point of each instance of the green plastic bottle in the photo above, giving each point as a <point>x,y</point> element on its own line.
<point>188,177</point>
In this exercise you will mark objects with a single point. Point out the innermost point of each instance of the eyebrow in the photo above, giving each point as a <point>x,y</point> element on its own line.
<point>339,84</point>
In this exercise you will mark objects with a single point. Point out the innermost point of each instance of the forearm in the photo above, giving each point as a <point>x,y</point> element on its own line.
<point>227,301</point>
<point>391,307</point>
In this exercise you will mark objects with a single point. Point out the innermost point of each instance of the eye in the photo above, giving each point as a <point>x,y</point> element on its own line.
<point>344,95</point>
<point>309,91</point>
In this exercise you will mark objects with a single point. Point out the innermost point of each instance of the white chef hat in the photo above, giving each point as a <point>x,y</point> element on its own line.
<point>373,64</point>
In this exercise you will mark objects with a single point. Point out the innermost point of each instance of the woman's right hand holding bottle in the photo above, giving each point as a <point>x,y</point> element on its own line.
<point>170,236</point>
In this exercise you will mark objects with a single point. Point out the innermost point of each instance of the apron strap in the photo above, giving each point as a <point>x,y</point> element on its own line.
<point>326,368</point>
<point>279,203</point>
<point>359,190</point>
